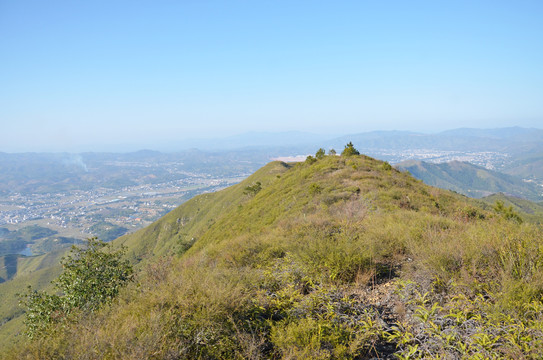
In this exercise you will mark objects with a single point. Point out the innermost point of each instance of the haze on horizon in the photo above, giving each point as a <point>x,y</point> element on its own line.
<point>101,75</point>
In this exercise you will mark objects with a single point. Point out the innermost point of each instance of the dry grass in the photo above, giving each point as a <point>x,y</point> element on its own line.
<point>299,271</point>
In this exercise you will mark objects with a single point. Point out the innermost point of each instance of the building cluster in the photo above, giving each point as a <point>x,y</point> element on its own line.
<point>129,206</point>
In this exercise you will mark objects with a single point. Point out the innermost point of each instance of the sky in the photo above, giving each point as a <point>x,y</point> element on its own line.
<point>101,75</point>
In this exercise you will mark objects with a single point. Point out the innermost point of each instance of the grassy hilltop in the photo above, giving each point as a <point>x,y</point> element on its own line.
<point>336,258</point>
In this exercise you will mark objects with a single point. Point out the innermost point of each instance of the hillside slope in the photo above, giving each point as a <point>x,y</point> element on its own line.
<point>21,271</point>
<point>471,180</point>
<point>531,211</point>
<point>527,166</point>
<point>11,319</point>
<point>337,258</point>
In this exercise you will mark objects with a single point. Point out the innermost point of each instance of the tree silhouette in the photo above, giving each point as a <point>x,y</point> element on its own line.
<point>349,150</point>
<point>320,153</point>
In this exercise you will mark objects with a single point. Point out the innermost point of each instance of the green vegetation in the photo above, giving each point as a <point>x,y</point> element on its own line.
<point>387,166</point>
<point>37,271</point>
<point>34,232</point>
<point>310,160</point>
<point>11,246</point>
<point>107,231</point>
<point>253,189</point>
<point>12,242</point>
<point>471,180</point>
<point>52,243</point>
<point>333,258</point>
<point>91,277</point>
<point>320,154</point>
<point>530,211</point>
<point>528,165</point>
<point>349,150</point>
<point>507,212</point>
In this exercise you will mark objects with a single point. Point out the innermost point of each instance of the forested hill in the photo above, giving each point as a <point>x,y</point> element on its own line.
<point>338,257</point>
<point>471,180</point>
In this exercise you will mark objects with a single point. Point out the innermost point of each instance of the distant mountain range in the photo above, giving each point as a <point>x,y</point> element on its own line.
<point>512,140</point>
<point>471,180</point>
<point>250,140</point>
<point>516,151</point>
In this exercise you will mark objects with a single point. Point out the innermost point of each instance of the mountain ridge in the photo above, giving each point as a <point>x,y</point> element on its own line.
<point>471,180</point>
<point>309,260</point>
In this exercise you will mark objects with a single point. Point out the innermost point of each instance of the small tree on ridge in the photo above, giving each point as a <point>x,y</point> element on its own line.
<point>349,150</point>
<point>320,154</point>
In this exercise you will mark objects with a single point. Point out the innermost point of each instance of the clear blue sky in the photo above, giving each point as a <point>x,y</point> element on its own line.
<point>86,75</point>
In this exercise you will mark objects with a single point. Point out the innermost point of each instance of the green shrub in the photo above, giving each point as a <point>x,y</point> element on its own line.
<point>253,189</point>
<point>320,154</point>
<point>386,166</point>
<point>310,160</point>
<point>507,212</point>
<point>91,277</point>
<point>315,189</point>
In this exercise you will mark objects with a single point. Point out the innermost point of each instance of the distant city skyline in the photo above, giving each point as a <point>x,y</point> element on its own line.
<point>125,75</point>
